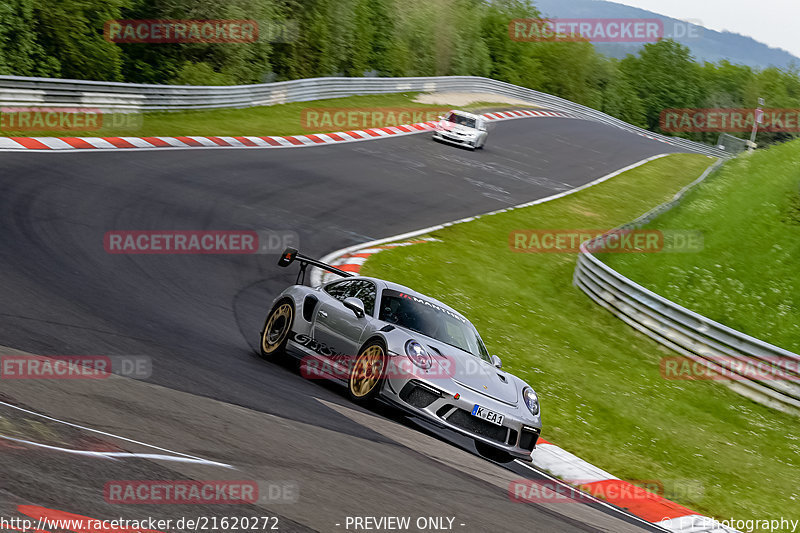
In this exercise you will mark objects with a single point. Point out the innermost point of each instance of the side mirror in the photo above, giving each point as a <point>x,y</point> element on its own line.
<point>496,361</point>
<point>355,305</point>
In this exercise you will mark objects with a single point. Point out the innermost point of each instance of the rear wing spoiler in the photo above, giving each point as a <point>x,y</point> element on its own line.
<point>290,255</point>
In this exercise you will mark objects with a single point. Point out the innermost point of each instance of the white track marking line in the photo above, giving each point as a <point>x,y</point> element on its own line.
<point>354,261</point>
<point>117,455</point>
<point>99,432</point>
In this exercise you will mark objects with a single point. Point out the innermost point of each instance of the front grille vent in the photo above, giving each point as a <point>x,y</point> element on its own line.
<point>466,421</point>
<point>528,439</point>
<point>417,396</point>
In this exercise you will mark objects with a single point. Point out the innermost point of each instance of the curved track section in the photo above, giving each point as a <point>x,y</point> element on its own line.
<point>198,317</point>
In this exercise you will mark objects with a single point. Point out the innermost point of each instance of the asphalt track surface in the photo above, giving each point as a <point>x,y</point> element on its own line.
<point>198,317</point>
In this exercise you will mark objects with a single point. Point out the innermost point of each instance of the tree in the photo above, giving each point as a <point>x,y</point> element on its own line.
<point>511,61</point>
<point>384,50</point>
<point>726,84</point>
<point>621,99</point>
<point>579,73</point>
<point>21,53</point>
<point>217,63</point>
<point>71,31</point>
<point>665,77</point>
<point>311,54</point>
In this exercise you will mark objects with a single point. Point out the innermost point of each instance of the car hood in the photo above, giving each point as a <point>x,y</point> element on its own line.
<point>474,373</point>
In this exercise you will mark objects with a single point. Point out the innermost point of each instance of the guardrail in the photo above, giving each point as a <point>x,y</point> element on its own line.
<point>704,341</point>
<point>132,97</point>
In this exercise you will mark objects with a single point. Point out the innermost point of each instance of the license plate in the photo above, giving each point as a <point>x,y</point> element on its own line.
<point>489,416</point>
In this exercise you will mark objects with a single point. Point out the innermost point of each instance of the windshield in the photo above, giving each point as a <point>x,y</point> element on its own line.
<point>461,120</point>
<point>432,320</point>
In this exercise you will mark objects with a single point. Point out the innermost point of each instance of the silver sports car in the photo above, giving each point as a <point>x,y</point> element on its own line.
<point>387,341</point>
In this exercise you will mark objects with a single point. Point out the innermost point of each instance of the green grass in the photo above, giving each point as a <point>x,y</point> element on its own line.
<point>282,119</point>
<point>747,275</point>
<point>603,397</point>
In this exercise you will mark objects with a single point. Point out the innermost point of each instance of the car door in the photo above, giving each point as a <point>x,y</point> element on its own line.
<point>337,327</point>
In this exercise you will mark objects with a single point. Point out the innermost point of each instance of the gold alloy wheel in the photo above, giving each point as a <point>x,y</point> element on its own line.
<point>277,328</point>
<point>367,371</point>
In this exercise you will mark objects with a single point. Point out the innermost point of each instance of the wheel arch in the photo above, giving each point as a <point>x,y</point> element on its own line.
<point>375,336</point>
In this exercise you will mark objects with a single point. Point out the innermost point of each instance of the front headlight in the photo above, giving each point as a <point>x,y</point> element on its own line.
<point>531,400</point>
<point>418,355</point>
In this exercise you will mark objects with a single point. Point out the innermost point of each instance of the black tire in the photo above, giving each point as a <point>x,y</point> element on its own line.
<point>492,453</point>
<point>367,372</point>
<point>277,326</point>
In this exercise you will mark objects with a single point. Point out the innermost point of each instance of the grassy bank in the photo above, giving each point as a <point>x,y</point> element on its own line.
<point>602,393</point>
<point>284,119</point>
<point>747,275</point>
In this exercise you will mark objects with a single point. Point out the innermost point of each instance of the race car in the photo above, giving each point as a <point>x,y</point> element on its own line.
<point>388,342</point>
<point>462,128</point>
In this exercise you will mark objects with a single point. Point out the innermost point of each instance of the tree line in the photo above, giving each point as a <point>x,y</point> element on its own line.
<point>65,39</point>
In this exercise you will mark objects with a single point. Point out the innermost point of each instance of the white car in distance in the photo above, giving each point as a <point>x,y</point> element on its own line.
<point>462,128</point>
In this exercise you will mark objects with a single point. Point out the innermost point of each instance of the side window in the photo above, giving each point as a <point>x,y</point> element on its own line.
<point>338,290</point>
<point>358,288</point>
<point>366,292</point>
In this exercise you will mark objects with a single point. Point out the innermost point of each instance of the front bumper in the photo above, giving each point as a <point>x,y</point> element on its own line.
<point>455,138</point>
<point>436,402</point>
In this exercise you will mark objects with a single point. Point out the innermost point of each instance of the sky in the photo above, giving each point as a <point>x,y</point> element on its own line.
<point>773,22</point>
